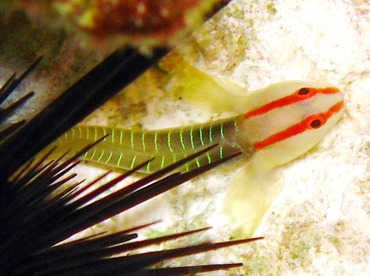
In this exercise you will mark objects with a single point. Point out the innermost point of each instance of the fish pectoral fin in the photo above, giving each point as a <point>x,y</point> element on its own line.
<point>208,92</point>
<point>248,198</point>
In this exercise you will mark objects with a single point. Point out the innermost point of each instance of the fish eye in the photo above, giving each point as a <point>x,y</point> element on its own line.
<point>303,91</point>
<point>316,123</point>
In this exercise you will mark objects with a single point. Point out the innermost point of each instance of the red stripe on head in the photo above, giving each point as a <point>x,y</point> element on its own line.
<point>310,122</point>
<point>299,95</point>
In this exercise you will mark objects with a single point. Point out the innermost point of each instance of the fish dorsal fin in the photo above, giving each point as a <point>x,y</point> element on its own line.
<point>208,92</point>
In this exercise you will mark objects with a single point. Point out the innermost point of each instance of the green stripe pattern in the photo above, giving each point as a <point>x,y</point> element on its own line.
<point>125,149</point>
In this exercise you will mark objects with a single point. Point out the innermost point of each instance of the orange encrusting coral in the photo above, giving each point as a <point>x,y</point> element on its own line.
<point>159,19</point>
<point>116,23</point>
<point>140,16</point>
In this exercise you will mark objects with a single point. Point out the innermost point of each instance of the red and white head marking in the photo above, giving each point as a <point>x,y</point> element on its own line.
<point>290,118</point>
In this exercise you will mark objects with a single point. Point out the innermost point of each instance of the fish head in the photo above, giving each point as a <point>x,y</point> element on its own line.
<point>291,118</point>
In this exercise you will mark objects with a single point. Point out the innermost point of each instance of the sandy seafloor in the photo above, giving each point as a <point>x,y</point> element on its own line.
<point>319,224</point>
